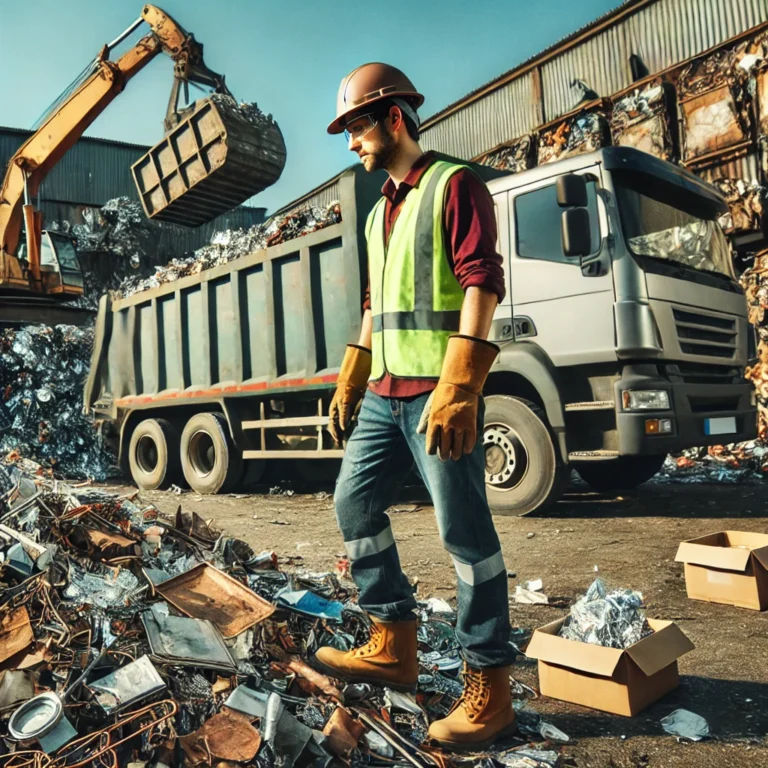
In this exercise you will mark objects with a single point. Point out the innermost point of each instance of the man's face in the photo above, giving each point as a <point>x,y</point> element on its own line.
<point>372,141</point>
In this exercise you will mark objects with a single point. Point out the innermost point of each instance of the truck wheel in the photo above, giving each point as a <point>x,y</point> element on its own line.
<point>522,470</point>
<point>153,454</point>
<point>620,474</point>
<point>210,460</point>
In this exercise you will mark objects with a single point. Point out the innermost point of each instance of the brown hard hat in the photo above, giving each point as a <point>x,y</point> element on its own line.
<point>368,84</point>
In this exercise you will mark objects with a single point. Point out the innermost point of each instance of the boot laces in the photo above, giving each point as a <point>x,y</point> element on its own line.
<point>476,691</point>
<point>373,644</point>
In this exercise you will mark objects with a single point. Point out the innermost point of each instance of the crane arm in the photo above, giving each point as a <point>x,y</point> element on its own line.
<point>64,126</point>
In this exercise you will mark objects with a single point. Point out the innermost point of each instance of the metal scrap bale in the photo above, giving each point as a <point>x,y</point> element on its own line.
<point>714,104</point>
<point>585,132</point>
<point>515,156</point>
<point>640,119</point>
<point>746,202</point>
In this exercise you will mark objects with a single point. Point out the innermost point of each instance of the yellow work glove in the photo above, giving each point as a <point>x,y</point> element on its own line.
<point>350,388</point>
<point>450,415</point>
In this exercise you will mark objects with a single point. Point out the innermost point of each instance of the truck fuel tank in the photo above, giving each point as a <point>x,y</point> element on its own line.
<point>220,155</point>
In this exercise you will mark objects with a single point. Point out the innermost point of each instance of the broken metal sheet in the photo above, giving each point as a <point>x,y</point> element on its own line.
<point>515,156</point>
<point>110,544</point>
<point>62,733</point>
<point>205,592</point>
<point>15,685</point>
<point>310,604</point>
<point>714,104</point>
<point>105,589</point>
<point>185,641</point>
<point>640,119</point>
<point>577,135</point>
<point>127,685</point>
<point>15,633</point>
<point>248,701</point>
<point>344,732</point>
<point>227,735</point>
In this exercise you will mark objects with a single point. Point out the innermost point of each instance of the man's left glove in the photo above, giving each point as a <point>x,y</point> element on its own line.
<point>450,415</point>
<point>350,388</point>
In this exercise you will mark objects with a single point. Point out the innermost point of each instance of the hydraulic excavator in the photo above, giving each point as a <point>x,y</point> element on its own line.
<point>214,156</point>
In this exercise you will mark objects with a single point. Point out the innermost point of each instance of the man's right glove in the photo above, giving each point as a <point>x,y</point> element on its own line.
<point>450,414</point>
<point>350,388</point>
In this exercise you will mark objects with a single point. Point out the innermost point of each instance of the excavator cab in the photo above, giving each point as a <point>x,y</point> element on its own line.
<point>60,271</point>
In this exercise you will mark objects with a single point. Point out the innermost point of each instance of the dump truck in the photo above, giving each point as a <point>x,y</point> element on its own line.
<point>215,155</point>
<point>623,337</point>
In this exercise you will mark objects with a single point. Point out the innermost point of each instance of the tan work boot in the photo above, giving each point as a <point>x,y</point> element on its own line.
<point>482,715</point>
<point>387,659</point>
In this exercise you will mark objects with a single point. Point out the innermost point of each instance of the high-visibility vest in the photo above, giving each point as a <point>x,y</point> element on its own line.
<point>415,297</point>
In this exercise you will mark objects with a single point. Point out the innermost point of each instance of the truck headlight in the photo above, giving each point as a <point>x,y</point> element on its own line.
<point>645,400</point>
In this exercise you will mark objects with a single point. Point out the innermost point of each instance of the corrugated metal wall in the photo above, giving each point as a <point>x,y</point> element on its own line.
<point>502,115</point>
<point>91,173</point>
<point>662,34</point>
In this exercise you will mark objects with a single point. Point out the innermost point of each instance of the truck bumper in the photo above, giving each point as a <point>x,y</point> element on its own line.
<point>693,409</point>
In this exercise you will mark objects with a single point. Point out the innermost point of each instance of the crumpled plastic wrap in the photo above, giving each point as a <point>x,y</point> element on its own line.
<point>575,136</point>
<point>42,373</point>
<point>612,618</point>
<point>640,119</point>
<point>230,244</point>
<point>516,156</point>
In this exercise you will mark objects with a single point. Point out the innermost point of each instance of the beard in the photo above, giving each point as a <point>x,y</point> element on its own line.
<point>380,155</point>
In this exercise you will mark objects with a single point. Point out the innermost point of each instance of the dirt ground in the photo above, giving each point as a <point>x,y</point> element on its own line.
<point>633,540</point>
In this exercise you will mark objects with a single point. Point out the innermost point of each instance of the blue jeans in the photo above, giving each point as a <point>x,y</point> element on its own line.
<point>379,455</point>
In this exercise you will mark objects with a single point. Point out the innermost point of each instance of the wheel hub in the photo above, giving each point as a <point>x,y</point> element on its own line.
<point>202,453</point>
<point>147,454</point>
<point>506,460</point>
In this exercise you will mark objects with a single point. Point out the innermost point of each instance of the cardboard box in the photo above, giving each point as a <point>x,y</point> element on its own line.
<point>623,682</point>
<point>728,567</point>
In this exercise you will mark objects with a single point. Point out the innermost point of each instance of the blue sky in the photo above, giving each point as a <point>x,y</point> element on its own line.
<point>287,56</point>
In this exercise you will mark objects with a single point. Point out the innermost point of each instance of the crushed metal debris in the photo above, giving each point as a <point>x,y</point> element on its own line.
<point>231,244</point>
<point>128,638</point>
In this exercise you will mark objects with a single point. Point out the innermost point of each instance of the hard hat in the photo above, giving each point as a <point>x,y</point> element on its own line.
<point>368,84</point>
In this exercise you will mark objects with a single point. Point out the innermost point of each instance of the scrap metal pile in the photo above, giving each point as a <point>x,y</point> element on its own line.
<point>42,371</point>
<point>640,119</point>
<point>127,639</point>
<point>232,244</point>
<point>611,618</point>
<point>586,132</point>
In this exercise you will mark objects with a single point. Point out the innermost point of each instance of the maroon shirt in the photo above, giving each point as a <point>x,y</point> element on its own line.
<point>470,227</point>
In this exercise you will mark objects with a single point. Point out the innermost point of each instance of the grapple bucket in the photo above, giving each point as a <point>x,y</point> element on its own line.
<point>213,161</point>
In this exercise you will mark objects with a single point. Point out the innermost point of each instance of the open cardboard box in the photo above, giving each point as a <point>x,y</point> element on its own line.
<point>727,567</point>
<point>623,682</point>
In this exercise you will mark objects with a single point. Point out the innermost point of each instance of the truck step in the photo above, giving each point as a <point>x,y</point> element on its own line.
<point>591,405</point>
<point>593,455</point>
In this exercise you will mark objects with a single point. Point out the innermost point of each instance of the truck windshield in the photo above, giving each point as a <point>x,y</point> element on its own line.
<point>663,221</point>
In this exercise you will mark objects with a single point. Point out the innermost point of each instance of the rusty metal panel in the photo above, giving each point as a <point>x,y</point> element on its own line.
<point>498,117</point>
<point>602,62</point>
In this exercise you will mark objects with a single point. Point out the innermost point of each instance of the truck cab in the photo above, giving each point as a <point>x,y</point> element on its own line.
<point>623,334</point>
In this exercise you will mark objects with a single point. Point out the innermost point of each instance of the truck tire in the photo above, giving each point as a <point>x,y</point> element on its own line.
<point>154,459</point>
<point>620,474</point>
<point>210,460</point>
<point>523,472</point>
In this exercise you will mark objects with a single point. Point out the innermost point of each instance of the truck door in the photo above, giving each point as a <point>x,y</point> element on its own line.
<point>564,308</point>
<point>502,328</point>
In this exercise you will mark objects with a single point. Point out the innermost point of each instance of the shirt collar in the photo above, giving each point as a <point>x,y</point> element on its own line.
<point>412,178</point>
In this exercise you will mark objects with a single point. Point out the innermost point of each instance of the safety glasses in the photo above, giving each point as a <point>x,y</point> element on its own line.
<point>360,127</point>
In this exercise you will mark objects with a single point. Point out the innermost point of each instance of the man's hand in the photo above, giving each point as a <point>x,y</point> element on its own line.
<point>450,414</point>
<point>350,388</point>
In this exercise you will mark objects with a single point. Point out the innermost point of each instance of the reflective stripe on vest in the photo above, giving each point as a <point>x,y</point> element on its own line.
<point>415,297</point>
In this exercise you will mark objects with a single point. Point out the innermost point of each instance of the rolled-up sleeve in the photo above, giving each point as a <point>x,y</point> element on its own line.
<point>470,226</point>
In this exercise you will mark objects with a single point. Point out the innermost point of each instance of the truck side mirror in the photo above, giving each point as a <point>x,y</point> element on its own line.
<point>572,191</point>
<point>576,232</point>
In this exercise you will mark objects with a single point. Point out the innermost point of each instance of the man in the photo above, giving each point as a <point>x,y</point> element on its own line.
<point>421,361</point>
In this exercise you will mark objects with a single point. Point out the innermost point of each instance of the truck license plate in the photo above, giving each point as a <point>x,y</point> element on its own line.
<point>725,425</point>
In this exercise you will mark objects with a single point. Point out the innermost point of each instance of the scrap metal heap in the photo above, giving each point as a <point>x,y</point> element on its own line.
<point>42,371</point>
<point>232,244</point>
<point>131,639</point>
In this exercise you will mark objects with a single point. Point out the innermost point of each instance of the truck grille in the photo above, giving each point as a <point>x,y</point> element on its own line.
<point>708,335</point>
<point>703,373</point>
